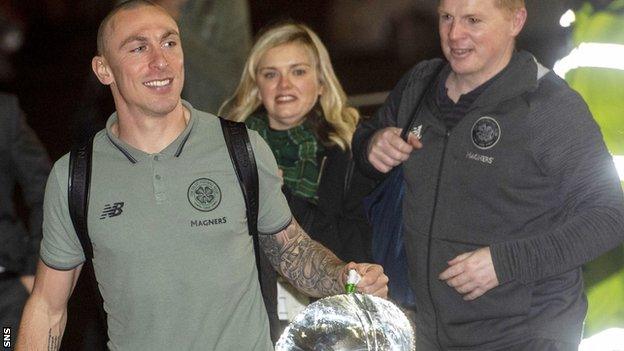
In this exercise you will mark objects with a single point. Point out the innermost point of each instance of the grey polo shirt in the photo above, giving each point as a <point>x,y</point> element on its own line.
<point>172,254</point>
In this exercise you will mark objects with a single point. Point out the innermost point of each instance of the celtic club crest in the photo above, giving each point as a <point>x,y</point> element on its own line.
<point>485,132</point>
<point>204,194</point>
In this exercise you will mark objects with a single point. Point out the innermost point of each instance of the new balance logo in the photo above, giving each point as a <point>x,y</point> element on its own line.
<point>113,210</point>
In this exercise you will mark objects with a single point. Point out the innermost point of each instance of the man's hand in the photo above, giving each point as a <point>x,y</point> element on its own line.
<point>471,273</point>
<point>387,150</point>
<point>372,278</point>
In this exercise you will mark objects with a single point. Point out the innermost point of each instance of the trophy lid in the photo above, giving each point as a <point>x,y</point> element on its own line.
<point>349,322</point>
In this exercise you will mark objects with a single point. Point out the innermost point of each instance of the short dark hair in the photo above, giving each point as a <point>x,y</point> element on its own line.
<point>126,5</point>
<point>510,5</point>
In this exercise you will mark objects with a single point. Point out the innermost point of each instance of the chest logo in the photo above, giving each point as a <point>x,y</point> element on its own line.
<point>485,133</point>
<point>112,210</point>
<point>204,194</point>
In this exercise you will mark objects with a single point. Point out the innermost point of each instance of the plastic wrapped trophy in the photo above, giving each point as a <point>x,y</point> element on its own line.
<point>349,322</point>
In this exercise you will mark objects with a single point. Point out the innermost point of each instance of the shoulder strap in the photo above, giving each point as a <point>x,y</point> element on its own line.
<point>78,192</point>
<point>241,153</point>
<point>78,202</point>
<point>242,156</point>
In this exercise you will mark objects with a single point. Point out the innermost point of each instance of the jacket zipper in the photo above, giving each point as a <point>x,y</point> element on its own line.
<point>433,214</point>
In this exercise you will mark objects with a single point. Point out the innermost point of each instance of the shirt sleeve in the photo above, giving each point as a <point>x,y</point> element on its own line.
<point>273,212</point>
<point>60,247</point>
<point>586,182</point>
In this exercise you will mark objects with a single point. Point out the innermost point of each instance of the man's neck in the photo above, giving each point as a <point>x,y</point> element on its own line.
<point>459,85</point>
<point>151,134</point>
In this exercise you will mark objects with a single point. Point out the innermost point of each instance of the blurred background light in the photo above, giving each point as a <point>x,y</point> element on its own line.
<point>608,340</point>
<point>567,19</point>
<point>619,166</point>
<point>599,55</point>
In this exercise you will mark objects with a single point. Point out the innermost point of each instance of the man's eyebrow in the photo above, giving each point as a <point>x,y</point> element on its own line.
<point>143,39</point>
<point>131,39</point>
<point>170,33</point>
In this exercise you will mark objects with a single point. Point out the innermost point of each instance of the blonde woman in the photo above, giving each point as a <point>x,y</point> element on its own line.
<point>289,93</point>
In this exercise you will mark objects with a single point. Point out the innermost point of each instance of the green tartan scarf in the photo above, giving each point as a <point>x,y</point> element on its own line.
<point>295,151</point>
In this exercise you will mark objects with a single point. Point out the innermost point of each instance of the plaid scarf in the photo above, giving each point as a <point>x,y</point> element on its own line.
<point>295,151</point>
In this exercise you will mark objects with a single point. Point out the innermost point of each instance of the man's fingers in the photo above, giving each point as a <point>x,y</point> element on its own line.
<point>378,288</point>
<point>387,149</point>
<point>413,141</point>
<point>471,274</point>
<point>383,292</point>
<point>399,144</point>
<point>373,280</point>
<point>474,294</point>
<point>380,166</point>
<point>394,148</point>
<point>451,272</point>
<point>370,273</point>
<point>390,158</point>
<point>467,287</point>
<point>460,258</point>
<point>458,280</point>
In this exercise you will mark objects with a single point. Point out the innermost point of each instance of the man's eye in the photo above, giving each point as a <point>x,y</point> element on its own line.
<point>446,17</point>
<point>473,20</point>
<point>139,49</point>
<point>171,43</point>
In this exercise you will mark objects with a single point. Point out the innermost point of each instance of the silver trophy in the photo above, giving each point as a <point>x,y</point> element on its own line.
<point>350,322</point>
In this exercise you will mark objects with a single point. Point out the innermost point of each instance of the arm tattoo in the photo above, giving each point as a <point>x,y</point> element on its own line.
<point>54,341</point>
<point>308,265</point>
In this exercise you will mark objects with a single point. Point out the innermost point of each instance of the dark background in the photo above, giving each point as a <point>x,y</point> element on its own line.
<point>50,72</point>
<point>371,42</point>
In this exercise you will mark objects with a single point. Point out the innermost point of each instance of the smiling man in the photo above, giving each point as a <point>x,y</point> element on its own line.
<point>509,190</point>
<point>172,255</point>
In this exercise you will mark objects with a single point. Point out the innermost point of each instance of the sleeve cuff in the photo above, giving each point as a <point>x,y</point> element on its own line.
<point>501,263</point>
<point>273,232</point>
<point>60,266</point>
<point>365,166</point>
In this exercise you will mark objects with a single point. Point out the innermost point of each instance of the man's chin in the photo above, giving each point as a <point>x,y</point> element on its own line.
<point>162,108</point>
<point>167,103</point>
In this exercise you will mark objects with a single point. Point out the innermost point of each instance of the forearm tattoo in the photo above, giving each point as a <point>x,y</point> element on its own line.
<point>308,265</point>
<point>54,341</point>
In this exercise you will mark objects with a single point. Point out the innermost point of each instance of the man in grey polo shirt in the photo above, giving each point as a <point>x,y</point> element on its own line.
<point>172,255</point>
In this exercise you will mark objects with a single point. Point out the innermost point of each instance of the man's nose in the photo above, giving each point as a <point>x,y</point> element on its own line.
<point>456,31</point>
<point>159,59</point>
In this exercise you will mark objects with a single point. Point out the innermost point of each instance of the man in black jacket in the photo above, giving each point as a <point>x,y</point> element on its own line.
<point>509,190</point>
<point>23,162</point>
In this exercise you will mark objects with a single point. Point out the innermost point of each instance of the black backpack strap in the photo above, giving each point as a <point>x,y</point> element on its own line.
<point>78,202</point>
<point>241,153</point>
<point>242,156</point>
<point>78,192</point>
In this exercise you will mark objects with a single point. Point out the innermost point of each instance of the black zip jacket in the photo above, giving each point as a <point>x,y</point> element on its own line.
<point>23,162</point>
<point>338,220</point>
<point>524,172</point>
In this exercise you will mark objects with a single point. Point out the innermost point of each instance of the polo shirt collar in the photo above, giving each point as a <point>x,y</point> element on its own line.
<point>135,155</point>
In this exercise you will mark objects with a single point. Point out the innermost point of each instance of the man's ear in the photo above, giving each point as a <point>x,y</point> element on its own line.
<point>518,18</point>
<point>102,70</point>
